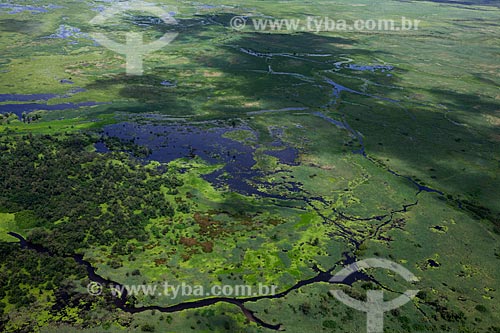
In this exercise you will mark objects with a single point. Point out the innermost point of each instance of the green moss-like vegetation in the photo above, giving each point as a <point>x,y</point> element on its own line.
<point>402,165</point>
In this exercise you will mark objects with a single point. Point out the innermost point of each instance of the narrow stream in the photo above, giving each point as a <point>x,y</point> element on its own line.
<point>121,302</point>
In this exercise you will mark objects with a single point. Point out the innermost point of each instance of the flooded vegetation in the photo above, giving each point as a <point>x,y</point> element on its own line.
<point>243,157</point>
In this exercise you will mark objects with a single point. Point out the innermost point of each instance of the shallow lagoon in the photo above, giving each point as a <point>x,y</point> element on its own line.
<point>174,141</point>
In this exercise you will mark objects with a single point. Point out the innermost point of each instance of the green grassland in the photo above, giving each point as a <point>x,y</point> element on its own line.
<point>432,121</point>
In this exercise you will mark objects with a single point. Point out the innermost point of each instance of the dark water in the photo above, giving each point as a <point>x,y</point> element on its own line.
<point>421,188</point>
<point>355,276</point>
<point>15,9</point>
<point>19,109</point>
<point>171,142</point>
<point>65,32</point>
<point>39,97</point>
<point>344,125</point>
<point>167,83</point>
<point>26,98</point>
<point>37,100</point>
<point>121,301</point>
<point>433,263</point>
<point>286,156</point>
<point>73,34</point>
<point>366,68</point>
<point>338,89</point>
<point>101,147</point>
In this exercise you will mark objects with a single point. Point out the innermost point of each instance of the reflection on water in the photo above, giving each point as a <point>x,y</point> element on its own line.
<point>19,109</point>
<point>174,141</point>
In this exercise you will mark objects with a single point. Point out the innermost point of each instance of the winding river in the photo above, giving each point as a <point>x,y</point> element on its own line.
<point>121,301</point>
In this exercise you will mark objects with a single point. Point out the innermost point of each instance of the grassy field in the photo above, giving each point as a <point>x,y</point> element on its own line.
<point>394,137</point>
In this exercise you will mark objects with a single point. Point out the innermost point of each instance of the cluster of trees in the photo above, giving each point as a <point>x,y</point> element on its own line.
<point>101,199</point>
<point>28,118</point>
<point>25,117</point>
<point>117,144</point>
<point>22,272</point>
<point>6,118</point>
<point>36,282</point>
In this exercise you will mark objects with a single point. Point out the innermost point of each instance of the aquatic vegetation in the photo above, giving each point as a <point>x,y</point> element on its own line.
<point>246,158</point>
